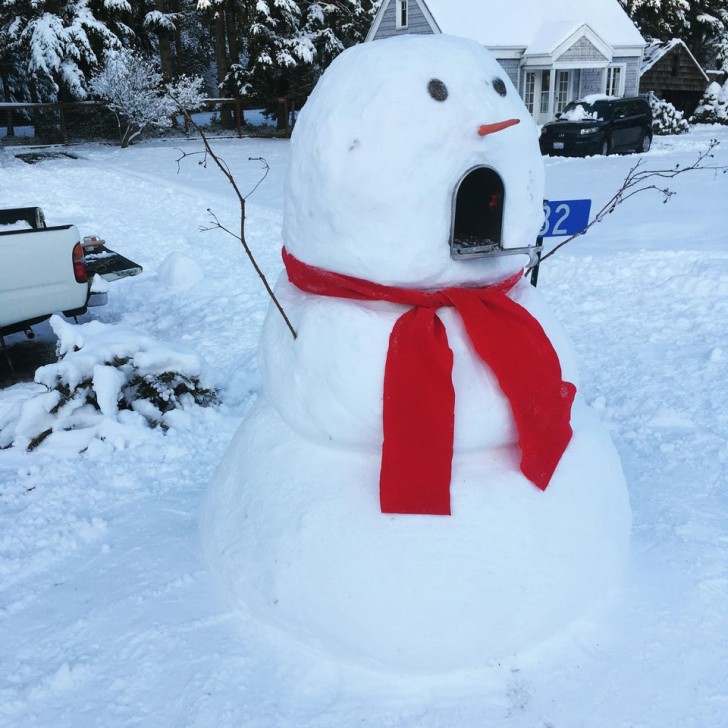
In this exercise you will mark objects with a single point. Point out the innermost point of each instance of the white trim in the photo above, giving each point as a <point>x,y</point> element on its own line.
<point>377,21</point>
<point>532,62</point>
<point>538,91</point>
<point>586,32</point>
<point>374,29</point>
<point>630,51</point>
<point>622,78</point>
<point>507,53</point>
<point>429,16</point>
<point>398,23</point>
<point>571,65</point>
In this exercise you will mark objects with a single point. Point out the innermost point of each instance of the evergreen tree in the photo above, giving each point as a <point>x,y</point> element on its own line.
<point>702,24</point>
<point>334,26</point>
<point>56,44</point>
<point>713,107</point>
<point>289,43</point>
<point>227,20</point>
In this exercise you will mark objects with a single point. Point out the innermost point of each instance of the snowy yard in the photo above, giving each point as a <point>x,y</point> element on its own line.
<point>108,616</point>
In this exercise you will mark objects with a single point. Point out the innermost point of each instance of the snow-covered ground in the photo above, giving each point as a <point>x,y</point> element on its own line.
<point>108,616</point>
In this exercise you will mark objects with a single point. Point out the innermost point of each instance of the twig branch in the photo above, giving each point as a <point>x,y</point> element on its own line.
<point>636,182</point>
<point>223,167</point>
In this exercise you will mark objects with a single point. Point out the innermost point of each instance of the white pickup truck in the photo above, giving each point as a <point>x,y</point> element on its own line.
<point>46,270</point>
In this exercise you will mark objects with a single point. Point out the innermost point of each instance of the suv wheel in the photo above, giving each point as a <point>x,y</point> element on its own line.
<point>645,143</point>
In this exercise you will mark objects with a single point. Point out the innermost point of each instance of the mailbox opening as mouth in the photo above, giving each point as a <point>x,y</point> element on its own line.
<point>477,216</point>
<point>477,219</point>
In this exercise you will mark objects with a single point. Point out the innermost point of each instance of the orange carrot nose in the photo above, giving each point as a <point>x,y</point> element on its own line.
<point>498,126</point>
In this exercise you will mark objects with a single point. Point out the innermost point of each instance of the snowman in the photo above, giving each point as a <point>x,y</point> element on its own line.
<point>417,487</point>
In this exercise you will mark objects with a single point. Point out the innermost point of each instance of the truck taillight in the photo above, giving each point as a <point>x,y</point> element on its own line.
<point>79,264</point>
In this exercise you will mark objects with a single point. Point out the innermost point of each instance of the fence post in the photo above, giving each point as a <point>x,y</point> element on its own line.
<point>238,116</point>
<point>282,114</point>
<point>62,118</point>
<point>10,123</point>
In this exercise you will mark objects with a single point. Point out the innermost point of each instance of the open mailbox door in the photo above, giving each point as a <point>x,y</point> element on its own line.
<point>477,217</point>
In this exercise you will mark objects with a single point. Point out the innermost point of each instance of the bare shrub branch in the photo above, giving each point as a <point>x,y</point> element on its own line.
<point>640,180</point>
<point>223,167</point>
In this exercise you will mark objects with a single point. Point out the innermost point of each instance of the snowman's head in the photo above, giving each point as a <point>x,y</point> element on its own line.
<point>408,144</point>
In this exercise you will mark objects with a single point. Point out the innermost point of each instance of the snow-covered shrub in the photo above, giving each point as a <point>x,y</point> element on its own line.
<point>133,89</point>
<point>666,119</point>
<point>713,107</point>
<point>112,383</point>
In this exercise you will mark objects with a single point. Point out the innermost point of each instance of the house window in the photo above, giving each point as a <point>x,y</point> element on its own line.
<point>614,81</point>
<point>402,13</point>
<point>529,90</point>
<point>562,90</point>
<point>545,88</point>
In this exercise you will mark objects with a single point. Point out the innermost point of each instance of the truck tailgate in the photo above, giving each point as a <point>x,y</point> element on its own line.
<point>109,264</point>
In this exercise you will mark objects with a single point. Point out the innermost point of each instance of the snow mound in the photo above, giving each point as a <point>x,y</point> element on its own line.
<point>578,113</point>
<point>110,382</point>
<point>179,272</point>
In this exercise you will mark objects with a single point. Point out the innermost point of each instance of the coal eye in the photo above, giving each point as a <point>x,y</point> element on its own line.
<point>437,89</point>
<point>499,86</point>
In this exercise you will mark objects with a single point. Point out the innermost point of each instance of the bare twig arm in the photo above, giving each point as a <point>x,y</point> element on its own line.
<point>636,182</point>
<point>223,167</point>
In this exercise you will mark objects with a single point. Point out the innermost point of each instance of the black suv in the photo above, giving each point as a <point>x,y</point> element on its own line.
<point>599,125</point>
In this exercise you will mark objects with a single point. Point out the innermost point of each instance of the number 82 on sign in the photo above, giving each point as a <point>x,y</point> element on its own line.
<point>564,217</point>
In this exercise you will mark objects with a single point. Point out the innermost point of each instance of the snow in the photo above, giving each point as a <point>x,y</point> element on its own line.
<point>100,365</point>
<point>517,23</point>
<point>17,225</point>
<point>578,113</point>
<point>377,176</point>
<point>108,615</point>
<point>550,35</point>
<point>305,546</point>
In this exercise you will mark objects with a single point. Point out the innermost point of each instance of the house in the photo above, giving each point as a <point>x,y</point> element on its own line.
<point>671,72</point>
<point>554,51</point>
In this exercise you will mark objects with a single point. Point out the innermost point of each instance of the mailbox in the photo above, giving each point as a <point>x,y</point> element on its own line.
<point>477,217</point>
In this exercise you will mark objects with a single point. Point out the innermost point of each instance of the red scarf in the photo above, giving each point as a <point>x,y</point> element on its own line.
<point>419,398</point>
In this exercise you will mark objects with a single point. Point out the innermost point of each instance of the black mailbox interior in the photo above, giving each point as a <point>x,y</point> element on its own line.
<point>477,213</point>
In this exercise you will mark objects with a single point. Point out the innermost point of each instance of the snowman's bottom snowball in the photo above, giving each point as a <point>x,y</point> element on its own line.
<point>294,533</point>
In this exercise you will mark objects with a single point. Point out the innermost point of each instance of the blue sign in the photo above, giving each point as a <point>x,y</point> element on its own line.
<point>564,217</point>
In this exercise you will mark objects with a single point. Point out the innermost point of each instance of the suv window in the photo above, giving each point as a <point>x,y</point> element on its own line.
<point>599,110</point>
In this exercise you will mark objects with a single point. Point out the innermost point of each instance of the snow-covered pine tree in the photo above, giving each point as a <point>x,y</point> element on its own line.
<point>702,24</point>
<point>666,119</point>
<point>13,85</point>
<point>713,106</point>
<point>658,19</point>
<point>289,43</point>
<point>173,31</point>
<point>160,21</point>
<point>56,44</point>
<point>276,44</point>
<point>707,34</point>
<point>334,26</point>
<point>226,20</point>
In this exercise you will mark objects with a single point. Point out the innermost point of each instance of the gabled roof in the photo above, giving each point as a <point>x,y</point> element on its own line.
<point>658,49</point>
<point>552,39</point>
<point>516,23</point>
